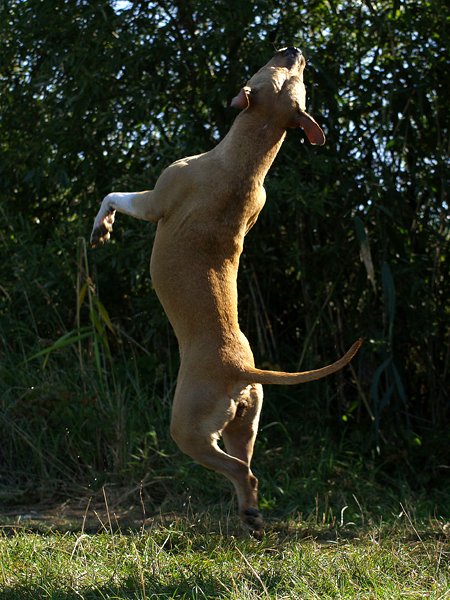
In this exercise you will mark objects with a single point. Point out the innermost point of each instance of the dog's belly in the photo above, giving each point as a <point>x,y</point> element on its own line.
<point>202,309</point>
<point>196,285</point>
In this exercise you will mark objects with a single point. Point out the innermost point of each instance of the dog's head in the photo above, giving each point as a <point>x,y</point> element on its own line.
<point>278,90</point>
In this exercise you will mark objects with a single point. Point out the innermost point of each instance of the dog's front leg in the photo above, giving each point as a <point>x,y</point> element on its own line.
<point>141,205</point>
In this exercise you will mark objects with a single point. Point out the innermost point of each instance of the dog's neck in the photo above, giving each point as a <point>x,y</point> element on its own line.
<point>251,146</point>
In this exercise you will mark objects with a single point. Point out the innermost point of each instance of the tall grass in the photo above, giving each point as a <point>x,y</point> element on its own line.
<point>71,415</point>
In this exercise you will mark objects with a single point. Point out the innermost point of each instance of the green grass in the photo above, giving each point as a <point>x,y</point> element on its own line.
<point>208,556</point>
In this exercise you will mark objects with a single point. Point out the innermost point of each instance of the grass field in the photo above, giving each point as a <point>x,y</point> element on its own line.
<point>103,554</point>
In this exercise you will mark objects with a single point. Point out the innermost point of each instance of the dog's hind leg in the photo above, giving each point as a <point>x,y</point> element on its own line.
<point>197,437</point>
<point>240,434</point>
<point>239,438</point>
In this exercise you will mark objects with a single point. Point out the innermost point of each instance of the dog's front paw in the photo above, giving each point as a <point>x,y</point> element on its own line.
<point>103,224</point>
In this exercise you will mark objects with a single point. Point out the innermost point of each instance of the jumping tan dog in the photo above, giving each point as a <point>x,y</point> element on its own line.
<point>204,206</point>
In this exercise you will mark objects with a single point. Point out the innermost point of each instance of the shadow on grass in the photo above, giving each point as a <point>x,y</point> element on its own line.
<point>124,512</point>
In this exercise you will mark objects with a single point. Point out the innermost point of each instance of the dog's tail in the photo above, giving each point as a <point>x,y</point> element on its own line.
<point>253,375</point>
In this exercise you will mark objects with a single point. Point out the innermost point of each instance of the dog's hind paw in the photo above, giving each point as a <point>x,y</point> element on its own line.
<point>254,521</point>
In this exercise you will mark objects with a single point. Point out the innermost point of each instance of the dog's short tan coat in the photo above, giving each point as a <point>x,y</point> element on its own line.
<point>204,206</point>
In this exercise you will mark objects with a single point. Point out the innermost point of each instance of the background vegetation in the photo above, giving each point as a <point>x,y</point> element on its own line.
<point>98,96</point>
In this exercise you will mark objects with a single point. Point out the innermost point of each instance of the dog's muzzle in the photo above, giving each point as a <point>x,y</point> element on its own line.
<point>292,55</point>
<point>292,51</point>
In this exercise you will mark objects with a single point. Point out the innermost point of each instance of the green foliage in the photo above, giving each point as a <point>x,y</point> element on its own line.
<point>101,96</point>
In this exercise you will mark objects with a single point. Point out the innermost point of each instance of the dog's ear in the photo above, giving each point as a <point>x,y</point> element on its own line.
<point>242,100</point>
<point>313,132</point>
